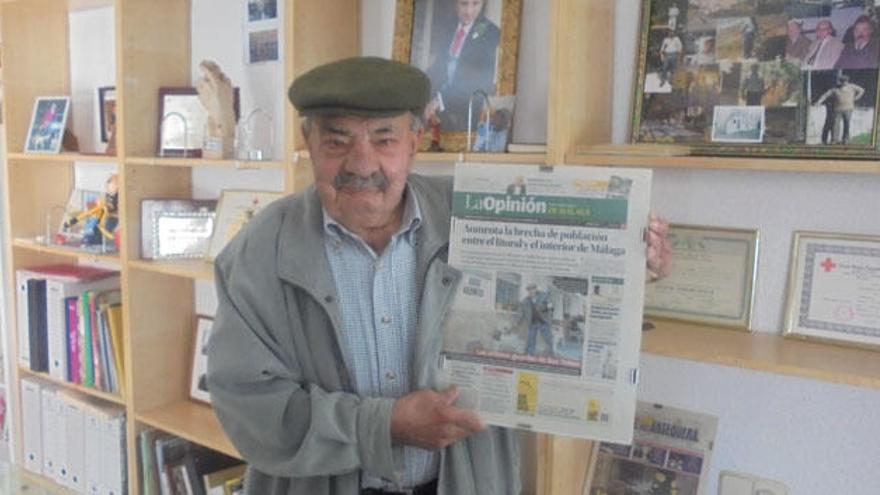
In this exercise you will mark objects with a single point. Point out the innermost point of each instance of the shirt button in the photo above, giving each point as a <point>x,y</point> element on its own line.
<point>386,320</point>
<point>390,375</point>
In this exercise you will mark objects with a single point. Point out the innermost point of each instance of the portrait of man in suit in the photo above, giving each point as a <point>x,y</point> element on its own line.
<point>464,47</point>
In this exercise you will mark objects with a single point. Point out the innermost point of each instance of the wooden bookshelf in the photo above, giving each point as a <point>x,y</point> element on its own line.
<point>100,394</point>
<point>192,269</point>
<point>191,420</point>
<point>202,162</point>
<point>62,157</point>
<point>68,251</point>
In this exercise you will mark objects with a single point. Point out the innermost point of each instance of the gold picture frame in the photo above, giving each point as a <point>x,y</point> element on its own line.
<point>833,286</point>
<point>426,46</point>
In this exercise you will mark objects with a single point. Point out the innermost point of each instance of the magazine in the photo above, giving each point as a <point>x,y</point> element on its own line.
<point>669,454</point>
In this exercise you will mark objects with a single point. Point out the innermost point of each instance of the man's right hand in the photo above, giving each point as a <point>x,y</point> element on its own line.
<point>427,419</point>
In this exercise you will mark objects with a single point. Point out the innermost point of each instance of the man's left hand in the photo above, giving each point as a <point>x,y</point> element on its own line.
<point>659,249</point>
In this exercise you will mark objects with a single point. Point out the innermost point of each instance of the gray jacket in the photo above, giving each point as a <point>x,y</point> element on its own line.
<point>278,379</point>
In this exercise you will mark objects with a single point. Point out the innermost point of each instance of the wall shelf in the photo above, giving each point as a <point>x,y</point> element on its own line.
<point>62,157</point>
<point>72,252</point>
<point>204,162</point>
<point>192,269</point>
<point>763,351</point>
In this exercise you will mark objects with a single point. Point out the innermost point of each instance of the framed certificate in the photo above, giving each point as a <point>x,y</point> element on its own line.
<point>834,288</point>
<point>712,279</point>
<point>235,209</point>
<point>181,234</point>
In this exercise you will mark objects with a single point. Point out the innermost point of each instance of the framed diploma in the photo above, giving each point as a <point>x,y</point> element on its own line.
<point>181,234</point>
<point>834,288</point>
<point>712,279</point>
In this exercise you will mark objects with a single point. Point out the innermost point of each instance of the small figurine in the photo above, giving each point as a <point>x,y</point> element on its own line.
<point>100,220</point>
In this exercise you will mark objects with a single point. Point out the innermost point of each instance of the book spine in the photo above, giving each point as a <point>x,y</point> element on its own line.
<point>73,358</point>
<point>88,376</point>
<point>39,352</point>
<point>94,328</point>
<point>22,315</point>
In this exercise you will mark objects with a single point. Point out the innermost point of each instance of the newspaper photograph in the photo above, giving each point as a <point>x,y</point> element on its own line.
<point>545,324</point>
<point>669,455</point>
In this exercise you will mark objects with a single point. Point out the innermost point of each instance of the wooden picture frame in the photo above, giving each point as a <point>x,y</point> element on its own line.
<point>485,62</point>
<point>177,104</point>
<point>107,112</point>
<point>198,383</point>
<point>759,78</point>
<point>834,289</point>
<point>47,124</point>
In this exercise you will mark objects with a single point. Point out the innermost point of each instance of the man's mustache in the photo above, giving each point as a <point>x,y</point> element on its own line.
<point>348,180</point>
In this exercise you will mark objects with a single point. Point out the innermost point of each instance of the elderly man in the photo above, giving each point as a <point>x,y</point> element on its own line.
<point>796,44</point>
<point>864,50</point>
<point>825,51</point>
<point>323,364</point>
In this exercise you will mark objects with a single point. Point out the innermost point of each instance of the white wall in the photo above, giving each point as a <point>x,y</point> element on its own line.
<point>92,65</point>
<point>814,436</point>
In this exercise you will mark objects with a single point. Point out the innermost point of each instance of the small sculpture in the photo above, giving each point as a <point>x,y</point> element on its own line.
<point>216,96</point>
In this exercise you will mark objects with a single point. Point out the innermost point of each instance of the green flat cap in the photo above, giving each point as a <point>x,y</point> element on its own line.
<point>369,86</point>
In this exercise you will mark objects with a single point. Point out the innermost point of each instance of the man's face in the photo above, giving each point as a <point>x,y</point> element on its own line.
<point>823,29</point>
<point>468,10</point>
<point>862,32</point>
<point>794,30</point>
<point>361,165</point>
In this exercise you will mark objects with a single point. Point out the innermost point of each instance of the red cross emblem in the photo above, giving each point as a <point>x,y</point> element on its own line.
<point>828,265</point>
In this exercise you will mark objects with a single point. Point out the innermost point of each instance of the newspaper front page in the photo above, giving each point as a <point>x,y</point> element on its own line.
<point>545,325</point>
<point>669,455</point>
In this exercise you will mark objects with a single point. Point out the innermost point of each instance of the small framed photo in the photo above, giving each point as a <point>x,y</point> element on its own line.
<point>712,279</point>
<point>198,387</point>
<point>181,234</point>
<point>182,121</point>
<point>48,121</point>
<point>496,123</point>
<point>152,207</point>
<point>262,10</point>
<point>738,124</point>
<point>234,210</point>
<point>834,288</point>
<point>262,45</point>
<point>107,112</point>
<point>467,49</point>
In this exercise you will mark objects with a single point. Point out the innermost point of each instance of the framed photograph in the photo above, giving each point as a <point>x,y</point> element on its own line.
<point>48,121</point>
<point>150,210</point>
<point>262,10</point>
<point>496,123</point>
<point>712,279</point>
<point>234,210</point>
<point>182,120</point>
<point>181,234</point>
<point>834,289</point>
<point>198,383</point>
<point>262,45</point>
<point>787,78</point>
<point>468,49</point>
<point>107,112</point>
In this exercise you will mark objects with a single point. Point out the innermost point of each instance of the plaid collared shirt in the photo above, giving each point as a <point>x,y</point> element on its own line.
<point>378,297</point>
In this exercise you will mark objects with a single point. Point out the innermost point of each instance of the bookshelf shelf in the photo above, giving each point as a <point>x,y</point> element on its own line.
<point>762,351</point>
<point>62,157</point>
<point>72,252</point>
<point>202,162</point>
<point>192,269</point>
<point>190,420</point>
<point>114,398</point>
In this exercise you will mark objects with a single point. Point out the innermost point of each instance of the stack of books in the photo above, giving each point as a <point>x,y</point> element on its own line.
<point>70,324</point>
<point>170,465</point>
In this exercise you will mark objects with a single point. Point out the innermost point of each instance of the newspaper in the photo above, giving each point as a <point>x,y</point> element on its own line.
<point>669,455</point>
<point>545,325</point>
